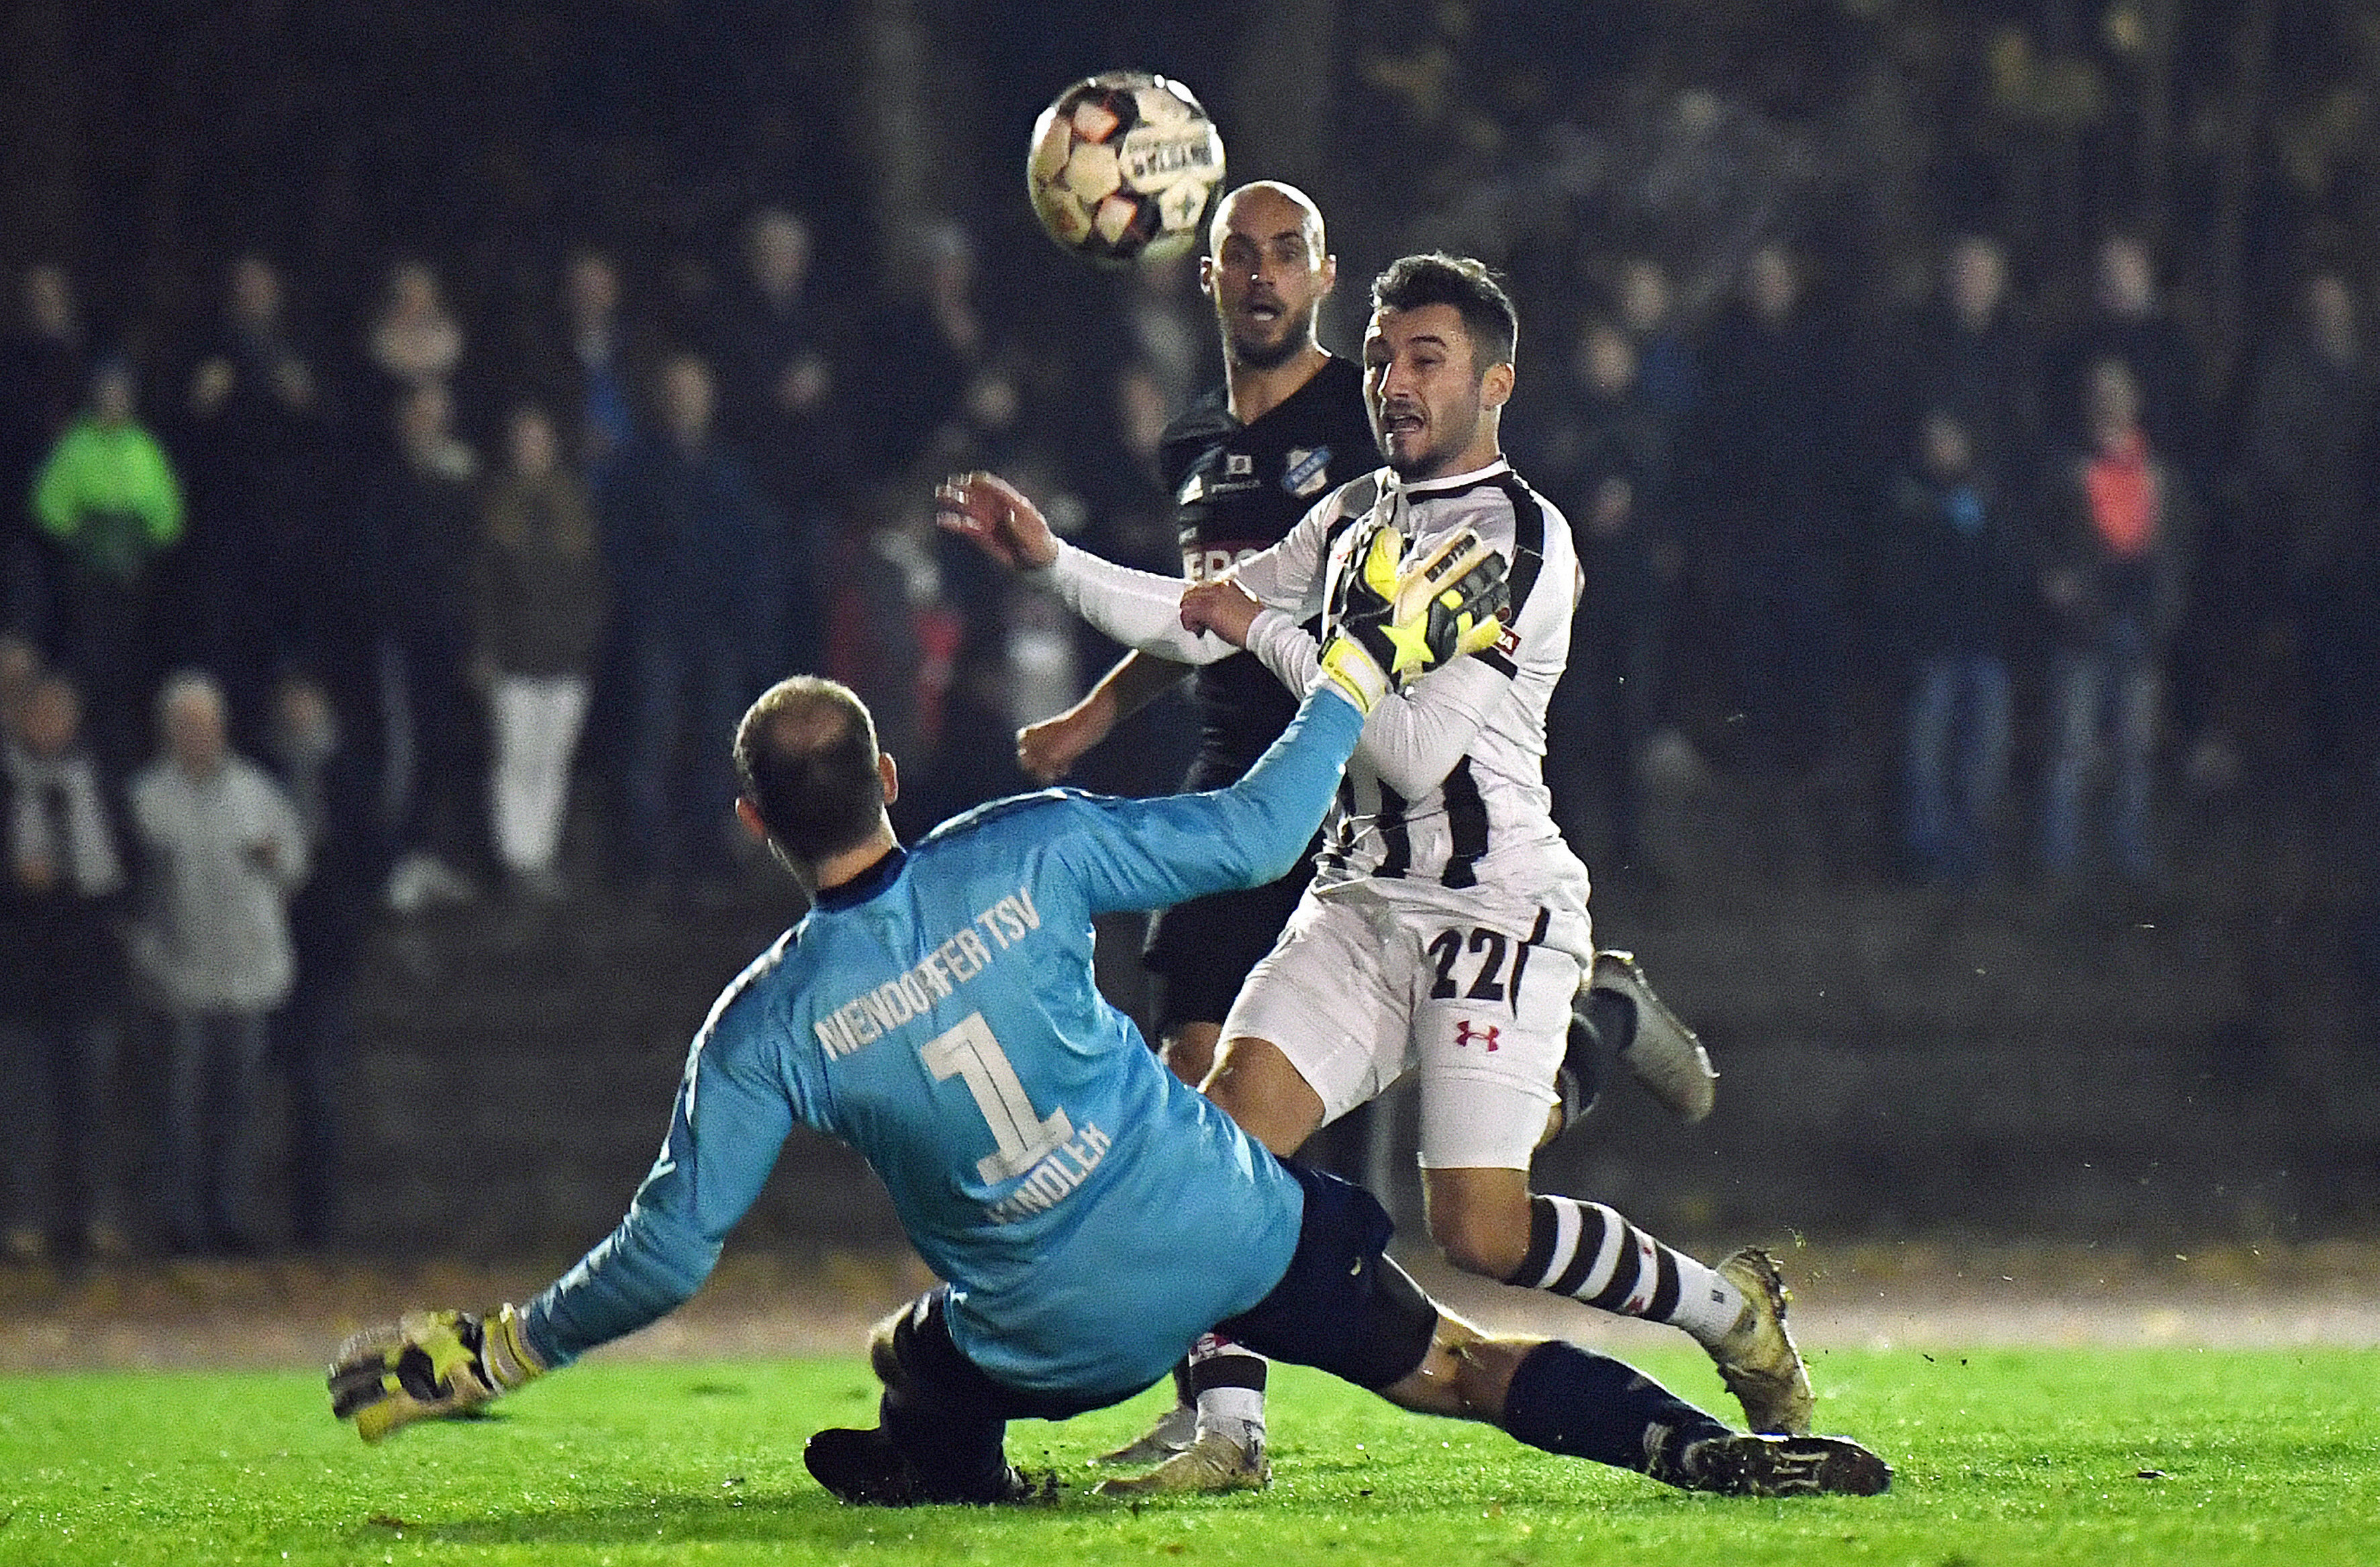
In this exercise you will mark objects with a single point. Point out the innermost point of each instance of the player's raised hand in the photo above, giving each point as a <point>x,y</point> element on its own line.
<point>1223,608</point>
<point>1395,620</point>
<point>1049,750</point>
<point>429,1366</point>
<point>1002,521</point>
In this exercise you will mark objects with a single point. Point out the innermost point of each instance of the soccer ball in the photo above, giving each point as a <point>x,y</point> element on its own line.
<point>1123,168</point>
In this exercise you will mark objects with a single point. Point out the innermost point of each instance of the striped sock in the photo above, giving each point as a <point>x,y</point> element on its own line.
<point>1228,1382</point>
<point>1586,1251</point>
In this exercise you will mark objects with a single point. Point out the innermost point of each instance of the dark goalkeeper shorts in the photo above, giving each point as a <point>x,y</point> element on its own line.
<point>1345,1306</point>
<point>1197,954</point>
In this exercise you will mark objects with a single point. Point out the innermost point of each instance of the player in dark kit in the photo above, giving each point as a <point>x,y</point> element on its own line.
<point>1243,464</point>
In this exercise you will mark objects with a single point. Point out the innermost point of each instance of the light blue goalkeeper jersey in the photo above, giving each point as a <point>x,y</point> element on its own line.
<point>1092,1214</point>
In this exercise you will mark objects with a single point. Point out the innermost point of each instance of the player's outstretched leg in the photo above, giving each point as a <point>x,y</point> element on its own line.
<point>1564,1398</point>
<point>1226,1449</point>
<point>1736,1311</point>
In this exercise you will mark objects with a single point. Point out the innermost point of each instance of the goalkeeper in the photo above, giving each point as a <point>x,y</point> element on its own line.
<point>1090,1213</point>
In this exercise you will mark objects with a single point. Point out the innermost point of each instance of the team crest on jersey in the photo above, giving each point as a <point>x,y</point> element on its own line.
<point>1307,470</point>
<point>1238,464</point>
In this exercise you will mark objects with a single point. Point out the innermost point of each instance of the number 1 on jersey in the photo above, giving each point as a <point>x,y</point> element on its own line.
<point>969,1050</point>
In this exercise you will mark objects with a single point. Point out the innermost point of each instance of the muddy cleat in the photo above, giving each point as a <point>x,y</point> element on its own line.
<point>1758,1360</point>
<point>1755,1465</point>
<point>1174,1431</point>
<point>1212,1464</point>
<point>1660,1052</point>
<point>864,1469</point>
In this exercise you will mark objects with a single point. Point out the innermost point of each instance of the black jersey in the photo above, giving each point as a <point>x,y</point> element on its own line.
<point>1238,489</point>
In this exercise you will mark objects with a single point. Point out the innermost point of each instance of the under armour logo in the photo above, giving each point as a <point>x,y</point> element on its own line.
<point>1465,1034</point>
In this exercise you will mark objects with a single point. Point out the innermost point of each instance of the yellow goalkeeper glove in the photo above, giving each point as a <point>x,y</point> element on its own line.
<point>1393,621</point>
<point>431,1365</point>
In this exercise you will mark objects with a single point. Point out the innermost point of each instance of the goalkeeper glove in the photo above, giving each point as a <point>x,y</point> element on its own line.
<point>431,1365</point>
<point>1396,621</point>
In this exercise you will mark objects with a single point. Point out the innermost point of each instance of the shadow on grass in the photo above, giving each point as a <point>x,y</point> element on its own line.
<point>816,1517</point>
<point>811,1517</point>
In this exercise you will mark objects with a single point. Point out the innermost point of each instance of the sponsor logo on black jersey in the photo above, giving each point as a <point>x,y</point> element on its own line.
<point>1204,563</point>
<point>1220,473</point>
<point>1307,470</point>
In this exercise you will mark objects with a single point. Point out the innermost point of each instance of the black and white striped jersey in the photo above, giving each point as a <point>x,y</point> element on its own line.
<point>1448,789</point>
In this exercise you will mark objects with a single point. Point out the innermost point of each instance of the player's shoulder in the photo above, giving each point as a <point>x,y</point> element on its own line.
<point>1335,391</point>
<point>1492,500</point>
<point>746,1005</point>
<point>1016,834</point>
<point>1198,429</point>
<point>1533,514</point>
<point>1325,414</point>
<point>996,818</point>
<point>1356,498</point>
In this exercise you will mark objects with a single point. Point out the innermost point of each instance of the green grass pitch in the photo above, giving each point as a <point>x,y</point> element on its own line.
<point>2002,1456</point>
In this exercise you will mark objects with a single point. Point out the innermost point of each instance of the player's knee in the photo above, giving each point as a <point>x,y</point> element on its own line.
<point>1478,1229</point>
<point>1484,1374</point>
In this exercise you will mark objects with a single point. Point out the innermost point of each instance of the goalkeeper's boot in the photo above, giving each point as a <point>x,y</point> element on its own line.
<point>1213,1463</point>
<point>1753,1464</point>
<point>1757,1359</point>
<point>1174,1431</point>
<point>1659,1051</point>
<point>864,1469</point>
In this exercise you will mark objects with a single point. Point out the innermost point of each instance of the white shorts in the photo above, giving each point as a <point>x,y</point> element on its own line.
<point>1360,990</point>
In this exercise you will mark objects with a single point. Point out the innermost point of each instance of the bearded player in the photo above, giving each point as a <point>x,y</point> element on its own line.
<point>1446,931</point>
<point>1243,464</point>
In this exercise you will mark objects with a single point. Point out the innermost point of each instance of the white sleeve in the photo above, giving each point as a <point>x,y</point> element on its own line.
<point>1284,646</point>
<point>1139,609</point>
<point>1414,736</point>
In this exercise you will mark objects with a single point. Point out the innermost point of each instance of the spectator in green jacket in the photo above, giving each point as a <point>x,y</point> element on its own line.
<point>108,505</point>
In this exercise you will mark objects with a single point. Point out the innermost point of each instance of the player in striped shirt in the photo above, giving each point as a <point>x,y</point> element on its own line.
<point>1446,931</point>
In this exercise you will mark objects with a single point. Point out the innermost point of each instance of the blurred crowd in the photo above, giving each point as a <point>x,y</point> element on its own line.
<point>2008,580</point>
<point>312,625</point>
